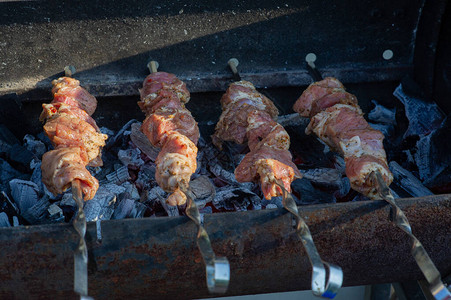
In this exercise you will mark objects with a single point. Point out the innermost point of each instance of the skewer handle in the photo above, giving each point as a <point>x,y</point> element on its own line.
<point>324,284</point>
<point>233,64</point>
<point>310,60</point>
<point>429,270</point>
<point>217,268</point>
<point>153,66</point>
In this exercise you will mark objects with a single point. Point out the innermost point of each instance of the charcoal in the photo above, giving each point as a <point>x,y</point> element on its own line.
<point>36,177</point>
<point>68,200</point>
<point>101,207</point>
<point>157,195</point>
<point>407,181</point>
<point>146,177</point>
<point>106,131</point>
<point>203,190</point>
<point>275,202</point>
<point>308,194</point>
<point>4,148</point>
<point>131,192</point>
<point>386,129</point>
<point>324,177</point>
<point>45,139</point>
<point>229,177</point>
<point>423,116</point>
<point>120,134</point>
<point>128,208</point>
<point>234,198</point>
<point>7,136</point>
<point>55,213</point>
<point>119,176</point>
<point>131,158</point>
<point>21,157</point>
<point>142,142</point>
<point>35,146</point>
<point>206,210</point>
<point>381,114</point>
<point>271,206</point>
<point>25,193</point>
<point>4,220</point>
<point>38,213</point>
<point>15,221</point>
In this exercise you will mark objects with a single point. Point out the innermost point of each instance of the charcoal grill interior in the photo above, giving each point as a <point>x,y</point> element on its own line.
<point>111,43</point>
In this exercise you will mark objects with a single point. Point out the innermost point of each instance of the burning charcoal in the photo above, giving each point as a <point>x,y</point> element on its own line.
<point>142,142</point>
<point>308,194</point>
<point>101,207</point>
<point>4,220</point>
<point>203,190</point>
<point>35,146</point>
<point>407,181</point>
<point>324,177</point>
<point>37,213</point>
<point>128,208</point>
<point>146,177</point>
<point>234,198</point>
<point>119,176</point>
<point>24,193</point>
<point>55,213</point>
<point>131,158</point>
<point>423,116</point>
<point>131,192</point>
<point>381,114</point>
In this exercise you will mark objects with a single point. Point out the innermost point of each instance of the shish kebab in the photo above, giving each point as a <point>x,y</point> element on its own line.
<point>171,127</point>
<point>336,118</point>
<point>77,141</point>
<point>250,117</point>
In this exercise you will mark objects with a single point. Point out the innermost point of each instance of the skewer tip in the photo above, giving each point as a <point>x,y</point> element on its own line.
<point>153,66</point>
<point>69,71</point>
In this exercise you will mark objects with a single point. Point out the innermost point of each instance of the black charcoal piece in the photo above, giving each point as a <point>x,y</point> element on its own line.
<point>25,193</point>
<point>35,146</point>
<point>131,157</point>
<point>382,114</point>
<point>4,220</point>
<point>37,214</point>
<point>308,194</point>
<point>407,181</point>
<point>21,157</point>
<point>101,207</point>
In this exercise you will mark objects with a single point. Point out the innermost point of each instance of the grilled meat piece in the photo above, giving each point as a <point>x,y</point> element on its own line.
<point>170,126</point>
<point>75,136</point>
<point>249,116</point>
<point>337,120</point>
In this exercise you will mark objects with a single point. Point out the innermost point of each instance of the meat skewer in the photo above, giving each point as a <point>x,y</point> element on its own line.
<point>77,141</point>
<point>170,126</point>
<point>336,119</point>
<point>249,117</point>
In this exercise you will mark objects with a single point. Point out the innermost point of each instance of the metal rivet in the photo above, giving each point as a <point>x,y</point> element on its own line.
<point>388,54</point>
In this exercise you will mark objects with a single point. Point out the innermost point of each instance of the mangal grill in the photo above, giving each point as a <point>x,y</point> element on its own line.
<point>393,55</point>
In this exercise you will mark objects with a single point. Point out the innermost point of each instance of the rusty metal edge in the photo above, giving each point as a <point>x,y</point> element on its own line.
<point>206,82</point>
<point>158,258</point>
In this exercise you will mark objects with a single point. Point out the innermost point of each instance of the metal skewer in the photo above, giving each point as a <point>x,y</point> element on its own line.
<point>323,284</point>
<point>81,253</point>
<point>429,270</point>
<point>217,268</point>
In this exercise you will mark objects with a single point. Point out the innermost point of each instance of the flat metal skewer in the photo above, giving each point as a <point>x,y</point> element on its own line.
<point>81,252</point>
<point>429,270</point>
<point>217,268</point>
<point>324,284</point>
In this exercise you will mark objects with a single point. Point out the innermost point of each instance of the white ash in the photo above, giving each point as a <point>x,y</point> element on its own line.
<point>382,114</point>
<point>235,198</point>
<point>423,116</point>
<point>131,157</point>
<point>128,208</point>
<point>25,193</point>
<point>4,220</point>
<point>146,177</point>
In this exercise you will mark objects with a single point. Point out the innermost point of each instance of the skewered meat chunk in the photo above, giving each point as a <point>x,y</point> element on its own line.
<point>75,136</point>
<point>249,116</point>
<point>170,126</point>
<point>240,100</point>
<point>61,166</point>
<point>337,120</point>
